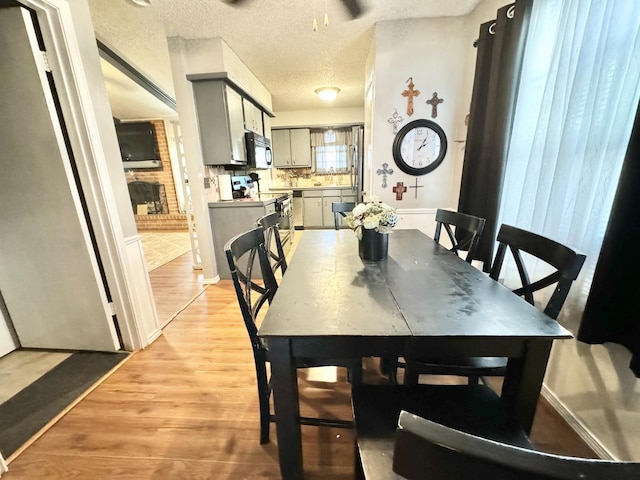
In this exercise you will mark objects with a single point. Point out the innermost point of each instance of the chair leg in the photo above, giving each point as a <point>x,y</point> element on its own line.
<point>354,372</point>
<point>411,374</point>
<point>473,380</point>
<point>263,399</point>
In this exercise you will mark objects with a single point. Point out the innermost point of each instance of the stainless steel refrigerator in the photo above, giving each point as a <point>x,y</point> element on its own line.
<point>357,158</point>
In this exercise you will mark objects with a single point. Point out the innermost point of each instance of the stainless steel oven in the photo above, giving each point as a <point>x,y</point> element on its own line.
<point>284,208</point>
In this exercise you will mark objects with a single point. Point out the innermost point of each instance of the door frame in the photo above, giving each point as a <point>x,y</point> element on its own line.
<point>130,288</point>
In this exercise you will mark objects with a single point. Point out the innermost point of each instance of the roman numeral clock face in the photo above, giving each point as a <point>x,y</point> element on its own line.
<point>419,147</point>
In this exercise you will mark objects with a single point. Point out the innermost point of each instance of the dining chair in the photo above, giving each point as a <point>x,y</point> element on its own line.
<point>340,209</point>
<point>255,285</point>
<point>474,409</point>
<point>468,229</point>
<point>566,264</point>
<point>422,445</point>
<point>270,225</point>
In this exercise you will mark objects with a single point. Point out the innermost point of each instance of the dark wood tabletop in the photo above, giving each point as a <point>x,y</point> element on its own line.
<point>333,304</point>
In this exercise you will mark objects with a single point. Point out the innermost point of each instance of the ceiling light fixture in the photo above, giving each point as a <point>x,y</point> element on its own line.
<point>327,94</point>
<point>141,3</point>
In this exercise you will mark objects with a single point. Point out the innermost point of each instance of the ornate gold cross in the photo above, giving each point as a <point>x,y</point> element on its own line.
<point>410,93</point>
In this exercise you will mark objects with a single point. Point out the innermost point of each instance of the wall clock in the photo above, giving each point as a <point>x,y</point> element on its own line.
<point>419,147</point>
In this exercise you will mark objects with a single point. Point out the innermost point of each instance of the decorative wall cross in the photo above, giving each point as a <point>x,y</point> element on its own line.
<point>416,186</point>
<point>394,120</point>
<point>384,171</point>
<point>434,102</point>
<point>410,93</point>
<point>399,189</point>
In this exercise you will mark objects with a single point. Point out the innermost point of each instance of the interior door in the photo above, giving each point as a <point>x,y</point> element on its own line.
<point>49,276</point>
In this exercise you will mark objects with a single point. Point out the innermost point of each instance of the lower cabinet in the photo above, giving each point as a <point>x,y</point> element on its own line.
<point>313,217</point>
<point>228,219</point>
<point>317,206</point>
<point>327,213</point>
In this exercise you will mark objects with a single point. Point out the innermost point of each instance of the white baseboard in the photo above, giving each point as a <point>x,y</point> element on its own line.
<point>3,466</point>
<point>583,432</point>
<point>211,281</point>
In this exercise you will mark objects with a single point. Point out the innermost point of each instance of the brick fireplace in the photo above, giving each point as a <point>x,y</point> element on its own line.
<point>171,219</point>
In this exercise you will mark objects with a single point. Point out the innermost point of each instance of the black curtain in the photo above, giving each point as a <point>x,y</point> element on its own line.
<point>612,312</point>
<point>498,65</point>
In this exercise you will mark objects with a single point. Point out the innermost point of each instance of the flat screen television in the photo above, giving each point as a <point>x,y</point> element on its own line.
<point>138,146</point>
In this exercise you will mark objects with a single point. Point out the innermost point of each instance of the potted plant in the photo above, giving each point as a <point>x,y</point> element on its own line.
<point>372,221</point>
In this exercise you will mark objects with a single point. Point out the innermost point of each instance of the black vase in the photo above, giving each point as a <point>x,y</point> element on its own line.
<point>374,245</point>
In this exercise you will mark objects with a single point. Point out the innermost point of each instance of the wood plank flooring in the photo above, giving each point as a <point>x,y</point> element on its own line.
<point>186,407</point>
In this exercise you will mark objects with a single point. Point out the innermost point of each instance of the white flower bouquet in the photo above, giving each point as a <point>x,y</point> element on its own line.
<point>372,214</point>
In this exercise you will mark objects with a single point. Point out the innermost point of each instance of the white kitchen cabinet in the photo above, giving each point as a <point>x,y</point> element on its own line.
<point>221,123</point>
<point>252,117</point>
<point>349,197</point>
<point>317,204</point>
<point>329,196</point>
<point>266,123</point>
<point>313,209</point>
<point>300,147</point>
<point>281,147</point>
<point>291,147</point>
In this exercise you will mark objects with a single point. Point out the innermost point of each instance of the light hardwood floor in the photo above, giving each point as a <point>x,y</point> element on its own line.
<point>186,407</point>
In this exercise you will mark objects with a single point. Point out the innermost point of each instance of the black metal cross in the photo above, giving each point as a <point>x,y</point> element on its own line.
<point>434,102</point>
<point>384,171</point>
<point>416,186</point>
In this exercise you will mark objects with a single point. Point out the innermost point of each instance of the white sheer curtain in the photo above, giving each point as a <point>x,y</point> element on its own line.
<point>329,149</point>
<point>576,103</point>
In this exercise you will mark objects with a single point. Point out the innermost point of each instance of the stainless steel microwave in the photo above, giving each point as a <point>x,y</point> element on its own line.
<point>258,151</point>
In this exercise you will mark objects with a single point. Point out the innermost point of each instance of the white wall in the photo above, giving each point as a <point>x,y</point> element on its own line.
<point>424,49</point>
<point>333,117</point>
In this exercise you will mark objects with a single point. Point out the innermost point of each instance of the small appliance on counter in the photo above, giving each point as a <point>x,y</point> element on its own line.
<point>242,186</point>
<point>224,186</point>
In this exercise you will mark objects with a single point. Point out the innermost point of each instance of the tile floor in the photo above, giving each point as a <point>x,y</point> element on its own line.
<point>20,368</point>
<point>160,248</point>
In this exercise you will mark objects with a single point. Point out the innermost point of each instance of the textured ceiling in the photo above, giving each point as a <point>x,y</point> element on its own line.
<point>274,39</point>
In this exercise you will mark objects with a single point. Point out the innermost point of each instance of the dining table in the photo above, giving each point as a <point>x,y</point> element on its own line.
<point>421,298</point>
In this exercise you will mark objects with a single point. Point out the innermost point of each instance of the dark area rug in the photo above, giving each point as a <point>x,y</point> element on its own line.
<point>24,414</point>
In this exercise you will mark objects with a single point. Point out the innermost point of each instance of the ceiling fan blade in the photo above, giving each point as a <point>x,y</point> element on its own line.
<point>354,8</point>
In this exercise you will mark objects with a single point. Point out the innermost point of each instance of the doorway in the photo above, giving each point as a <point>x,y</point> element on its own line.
<point>52,282</point>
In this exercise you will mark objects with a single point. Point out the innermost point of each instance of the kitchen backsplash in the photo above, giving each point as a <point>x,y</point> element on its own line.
<point>303,177</point>
<point>276,178</point>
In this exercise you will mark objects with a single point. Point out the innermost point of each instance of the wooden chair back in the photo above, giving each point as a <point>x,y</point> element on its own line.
<point>341,209</point>
<point>252,293</point>
<point>273,243</point>
<point>467,231</point>
<point>423,446</point>
<point>566,261</point>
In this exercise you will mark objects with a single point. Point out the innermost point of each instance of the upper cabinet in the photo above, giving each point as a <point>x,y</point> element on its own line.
<point>225,112</point>
<point>252,117</point>
<point>266,120</point>
<point>291,148</point>
<point>221,123</point>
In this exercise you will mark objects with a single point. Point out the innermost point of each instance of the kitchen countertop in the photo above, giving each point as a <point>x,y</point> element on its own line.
<point>321,187</point>
<point>241,202</point>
